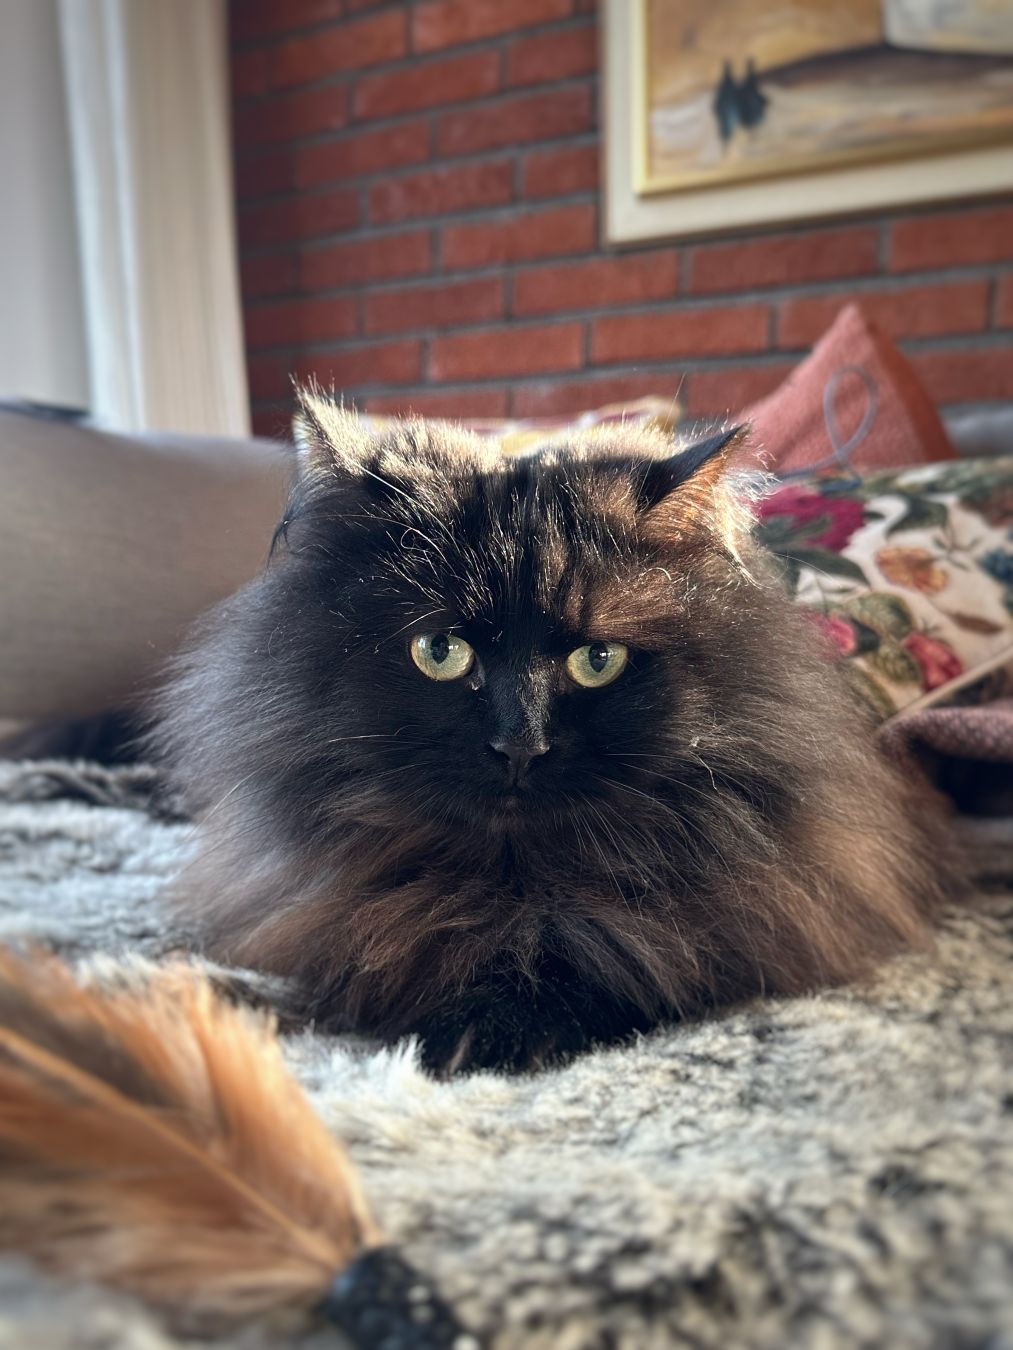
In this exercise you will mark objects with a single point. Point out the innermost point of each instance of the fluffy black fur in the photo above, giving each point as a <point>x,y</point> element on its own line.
<point>715,823</point>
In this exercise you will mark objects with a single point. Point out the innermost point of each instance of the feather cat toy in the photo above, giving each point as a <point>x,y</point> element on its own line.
<point>151,1138</point>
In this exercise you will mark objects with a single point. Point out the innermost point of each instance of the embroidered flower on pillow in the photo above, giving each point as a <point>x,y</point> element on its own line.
<point>939,663</point>
<point>914,568</point>
<point>820,521</point>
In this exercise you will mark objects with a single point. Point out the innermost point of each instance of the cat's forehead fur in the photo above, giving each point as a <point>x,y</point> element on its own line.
<point>331,436</point>
<point>482,532</point>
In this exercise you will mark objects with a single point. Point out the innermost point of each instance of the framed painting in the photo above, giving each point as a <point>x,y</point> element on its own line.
<point>721,114</point>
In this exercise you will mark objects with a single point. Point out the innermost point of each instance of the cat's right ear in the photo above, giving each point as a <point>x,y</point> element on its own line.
<point>331,440</point>
<point>696,469</point>
<point>687,494</point>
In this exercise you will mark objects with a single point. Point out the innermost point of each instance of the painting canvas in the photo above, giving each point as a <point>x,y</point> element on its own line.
<point>734,90</point>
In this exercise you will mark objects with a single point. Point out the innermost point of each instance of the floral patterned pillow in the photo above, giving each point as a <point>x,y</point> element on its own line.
<point>909,573</point>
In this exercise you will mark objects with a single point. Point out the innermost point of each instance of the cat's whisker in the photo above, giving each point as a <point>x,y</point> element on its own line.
<point>658,849</point>
<point>367,736</point>
<point>662,802</point>
<point>626,787</point>
<point>679,782</point>
<point>661,808</point>
<point>579,834</point>
<point>714,851</point>
<point>206,815</point>
<point>630,831</point>
<point>610,871</point>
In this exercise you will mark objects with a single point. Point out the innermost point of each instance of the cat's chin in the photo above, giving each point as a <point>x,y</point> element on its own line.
<point>530,811</point>
<point>509,810</point>
<point>511,806</point>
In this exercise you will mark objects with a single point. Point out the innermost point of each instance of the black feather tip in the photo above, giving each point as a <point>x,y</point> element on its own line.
<point>381,1303</point>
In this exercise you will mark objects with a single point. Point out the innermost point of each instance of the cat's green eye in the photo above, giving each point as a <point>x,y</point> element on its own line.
<point>442,656</point>
<point>597,664</point>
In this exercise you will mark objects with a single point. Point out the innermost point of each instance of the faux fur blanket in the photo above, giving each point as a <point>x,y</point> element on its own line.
<point>824,1172</point>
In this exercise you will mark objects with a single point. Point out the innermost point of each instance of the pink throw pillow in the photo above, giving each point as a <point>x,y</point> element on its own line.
<point>854,403</point>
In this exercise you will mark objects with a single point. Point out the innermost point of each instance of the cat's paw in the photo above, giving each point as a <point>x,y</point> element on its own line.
<point>488,1041</point>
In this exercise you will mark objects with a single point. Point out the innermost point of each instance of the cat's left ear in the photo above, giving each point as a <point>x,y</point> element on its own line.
<point>699,467</point>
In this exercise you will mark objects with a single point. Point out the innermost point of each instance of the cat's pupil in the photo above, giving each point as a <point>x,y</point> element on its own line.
<point>597,656</point>
<point>439,648</point>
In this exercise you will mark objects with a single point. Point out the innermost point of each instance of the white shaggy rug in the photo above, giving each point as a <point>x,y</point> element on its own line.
<point>816,1173</point>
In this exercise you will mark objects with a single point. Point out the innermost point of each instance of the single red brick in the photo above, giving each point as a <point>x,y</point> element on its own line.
<point>267,274</point>
<point>464,405</point>
<point>966,376</point>
<point>814,255</point>
<point>348,46</point>
<point>444,305</point>
<point>506,352</point>
<point>444,23</point>
<point>258,175</point>
<point>729,390</point>
<point>914,311</point>
<point>680,332</point>
<point>1004,304</point>
<point>268,378</point>
<point>380,363</point>
<point>290,323</point>
<point>427,85</point>
<point>435,192</point>
<point>951,239</point>
<point>290,116</point>
<point>600,281</point>
<point>516,121</point>
<point>354,262</point>
<point>249,73</point>
<point>306,216</point>
<point>557,173</point>
<point>547,57</point>
<point>520,238</point>
<point>552,399</point>
<point>252,19</point>
<point>363,152</point>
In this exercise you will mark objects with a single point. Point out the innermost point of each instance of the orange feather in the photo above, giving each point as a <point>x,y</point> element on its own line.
<point>152,1138</point>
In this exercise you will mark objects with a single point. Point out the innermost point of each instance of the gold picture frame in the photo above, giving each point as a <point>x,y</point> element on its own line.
<point>774,178</point>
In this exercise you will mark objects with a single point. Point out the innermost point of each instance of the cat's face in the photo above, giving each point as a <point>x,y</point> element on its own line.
<point>489,641</point>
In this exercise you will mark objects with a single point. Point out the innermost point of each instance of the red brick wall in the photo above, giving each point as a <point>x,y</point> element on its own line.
<point>418,216</point>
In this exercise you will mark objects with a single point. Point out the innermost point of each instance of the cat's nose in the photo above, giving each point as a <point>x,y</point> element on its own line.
<point>517,756</point>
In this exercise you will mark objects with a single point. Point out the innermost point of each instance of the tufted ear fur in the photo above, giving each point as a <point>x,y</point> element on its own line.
<point>687,496</point>
<point>701,465</point>
<point>330,438</point>
<point>333,448</point>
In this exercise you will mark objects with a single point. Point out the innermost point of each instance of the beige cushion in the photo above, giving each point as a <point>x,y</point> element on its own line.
<point>110,546</point>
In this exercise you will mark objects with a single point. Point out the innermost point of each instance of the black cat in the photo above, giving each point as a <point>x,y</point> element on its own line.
<point>522,754</point>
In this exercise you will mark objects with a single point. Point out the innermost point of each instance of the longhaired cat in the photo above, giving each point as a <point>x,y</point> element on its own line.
<point>521,755</point>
